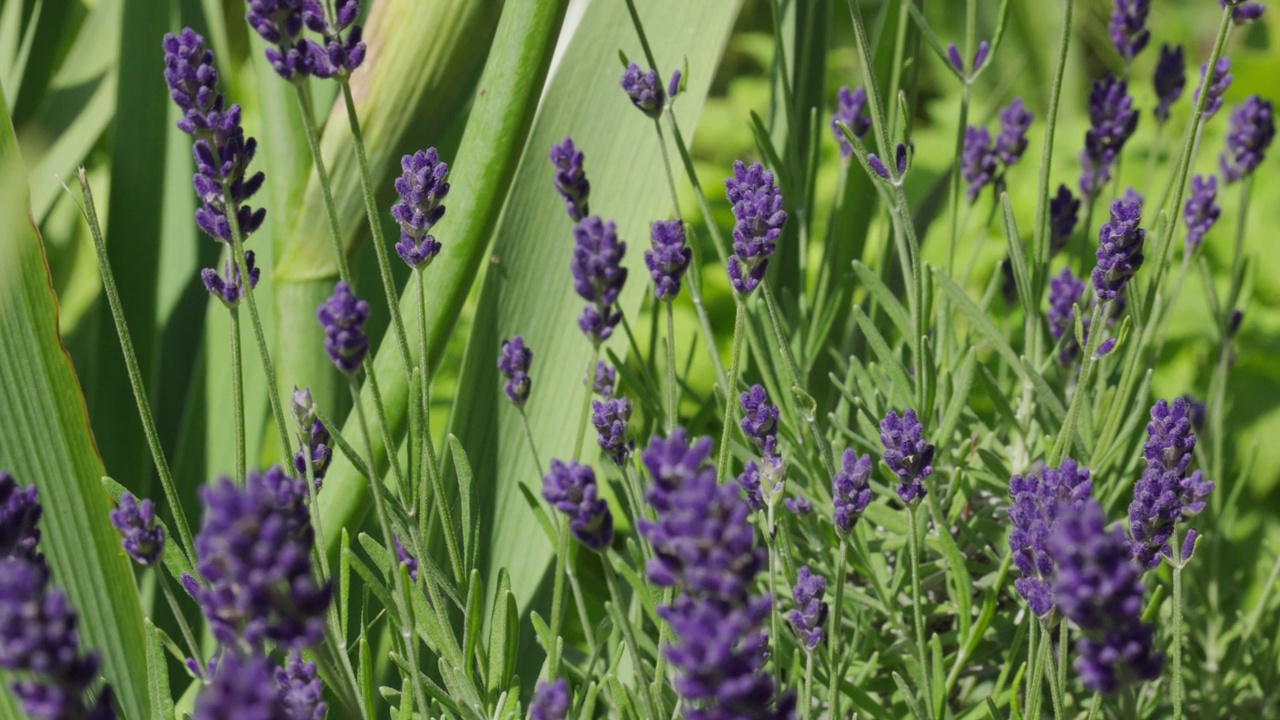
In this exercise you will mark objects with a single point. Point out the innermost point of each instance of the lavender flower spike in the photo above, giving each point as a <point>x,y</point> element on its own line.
<point>907,454</point>
<point>300,688</point>
<point>343,316</point>
<point>1119,250</point>
<point>20,513</point>
<point>1170,79</point>
<point>337,57</point>
<point>1064,213</point>
<point>978,165</point>
<point>1100,589</point>
<point>1011,143</point>
<point>242,688</point>
<point>1066,291</point>
<point>673,463</point>
<point>1112,121</point>
<point>644,87</point>
<point>598,276</point>
<point>809,616</point>
<point>1128,28</point>
<point>279,22</point>
<point>1037,500</point>
<point>759,419</point>
<point>850,490</point>
<point>610,419</point>
<point>605,379</point>
<point>193,79</point>
<point>142,539</point>
<point>1218,85</point>
<point>758,220</point>
<point>1245,12</point>
<point>1166,493</point>
<point>550,701</point>
<point>668,259</point>
<point>313,439</point>
<point>1252,128</point>
<point>851,111</point>
<point>513,362</point>
<point>229,288</point>
<point>572,490</point>
<point>421,188</point>
<point>570,180</point>
<point>1202,210</point>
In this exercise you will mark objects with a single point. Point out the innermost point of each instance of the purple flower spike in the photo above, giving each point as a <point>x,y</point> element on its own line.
<point>645,90</point>
<point>762,482</point>
<point>192,78</point>
<point>605,380</point>
<point>228,287</point>
<point>1100,589</point>
<point>343,316</point>
<point>254,557</point>
<point>313,438</point>
<point>1218,85</point>
<point>1128,27</point>
<point>673,463</point>
<point>513,362</point>
<point>1037,500</point>
<point>1064,213</point>
<point>598,276</point>
<point>1245,12</point>
<point>610,419</point>
<point>301,691</point>
<point>1119,250</point>
<point>1112,121</point>
<point>1065,292</point>
<point>1202,210</point>
<point>906,453</point>
<point>20,514</point>
<point>1170,79</point>
<point>1015,120</point>
<point>850,490</point>
<point>851,111</point>
<point>749,481</point>
<point>978,164</point>
<point>142,539</point>
<point>337,57</point>
<point>1170,437</point>
<point>406,558</point>
<point>570,180</point>
<point>242,688</point>
<point>668,259</point>
<point>758,220</point>
<point>1252,128</point>
<point>550,701</point>
<point>759,419</point>
<point>1161,499</point>
<point>421,188</point>
<point>279,22</point>
<point>810,614</point>
<point>572,490</point>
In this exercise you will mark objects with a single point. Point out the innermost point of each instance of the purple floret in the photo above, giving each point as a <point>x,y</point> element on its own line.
<point>1036,502</point>
<point>142,538</point>
<point>1202,210</point>
<point>570,180</point>
<point>809,617</point>
<point>851,111</point>
<point>1170,79</point>
<point>851,490</point>
<point>598,276</point>
<point>668,258</point>
<point>610,418</point>
<point>513,362</point>
<point>571,488</point>
<point>421,188</point>
<point>644,87</point>
<point>758,220</point>
<point>1119,253</point>
<point>907,454</point>
<point>1252,127</point>
<point>343,317</point>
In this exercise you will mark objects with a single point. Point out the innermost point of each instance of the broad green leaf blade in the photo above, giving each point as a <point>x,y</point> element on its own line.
<point>46,441</point>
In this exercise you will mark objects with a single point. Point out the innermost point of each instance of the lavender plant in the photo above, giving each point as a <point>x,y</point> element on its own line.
<point>975,524</point>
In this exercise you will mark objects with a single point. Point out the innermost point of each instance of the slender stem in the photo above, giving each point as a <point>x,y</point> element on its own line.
<point>1062,446</point>
<point>771,541</point>
<point>834,635</point>
<point>917,612</point>
<point>1130,700</point>
<point>1177,637</point>
<point>326,191</point>
<point>375,227</point>
<point>1032,686</point>
<point>586,405</point>
<point>806,706</point>
<point>135,374</point>
<point>1055,687</point>
<point>1040,259</point>
<point>739,325</point>
<point>628,633</point>
<point>961,124</point>
<point>580,603</point>
<point>557,592</point>
<point>237,391</point>
<point>673,388</point>
<point>429,446</point>
<point>1064,643</point>
<point>533,447</point>
<point>171,598</point>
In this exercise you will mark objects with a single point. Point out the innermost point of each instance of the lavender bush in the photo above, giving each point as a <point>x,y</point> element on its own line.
<point>848,461</point>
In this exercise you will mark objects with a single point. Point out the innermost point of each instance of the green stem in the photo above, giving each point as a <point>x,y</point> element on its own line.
<point>1032,686</point>
<point>174,607</point>
<point>237,392</point>
<point>533,447</point>
<point>917,613</point>
<point>834,635</point>
<point>428,442</point>
<point>1055,685</point>
<point>1177,636</point>
<point>322,174</point>
<point>580,603</point>
<point>628,633</point>
<point>375,229</point>
<point>586,404</point>
<point>135,375</point>
<point>739,325</point>
<point>806,705</point>
<point>1064,643</point>
<point>962,123</point>
<point>673,389</point>
<point>1062,446</point>
<point>1040,259</point>
<point>557,593</point>
<point>793,377</point>
<point>771,541</point>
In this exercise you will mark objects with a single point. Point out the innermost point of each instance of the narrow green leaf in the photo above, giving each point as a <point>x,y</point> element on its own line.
<point>888,301</point>
<point>908,695</point>
<point>1021,276</point>
<point>901,392</point>
<point>473,620</point>
<point>158,693</point>
<point>462,467</point>
<point>962,383</point>
<point>501,659</point>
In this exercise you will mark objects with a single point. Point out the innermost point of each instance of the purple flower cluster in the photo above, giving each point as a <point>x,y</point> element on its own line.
<point>605,380</point>
<point>513,362</point>
<point>809,616</point>
<point>1065,292</point>
<point>343,317</point>
<point>981,162</point>
<point>254,558</point>
<point>1170,79</point>
<point>979,57</point>
<point>758,220</point>
<point>1037,500</point>
<point>906,453</point>
<point>1245,12</point>
<point>610,418</point>
<point>550,701</point>
<point>768,474</point>
<point>1064,213</point>
<point>422,189</point>
<point>301,691</point>
<point>1128,27</point>
<point>313,438</point>
<point>759,419</point>
<point>573,491</point>
<point>222,152</point>
<point>1218,85</point>
<point>280,23</point>
<point>39,635</point>
<point>1119,250</point>
<point>851,111</point>
<point>570,180</point>
<point>340,57</point>
<point>644,87</point>
<point>1112,121</point>
<point>668,258</point>
<point>598,276</point>
<point>229,288</point>
<point>1166,492</point>
<point>880,169</point>
<point>243,688</point>
<point>406,558</point>
<point>1011,143</point>
<point>142,538</point>
<point>1202,210</point>
<point>1099,588</point>
<point>978,163</point>
<point>704,545</point>
<point>851,490</point>
<point>1252,127</point>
